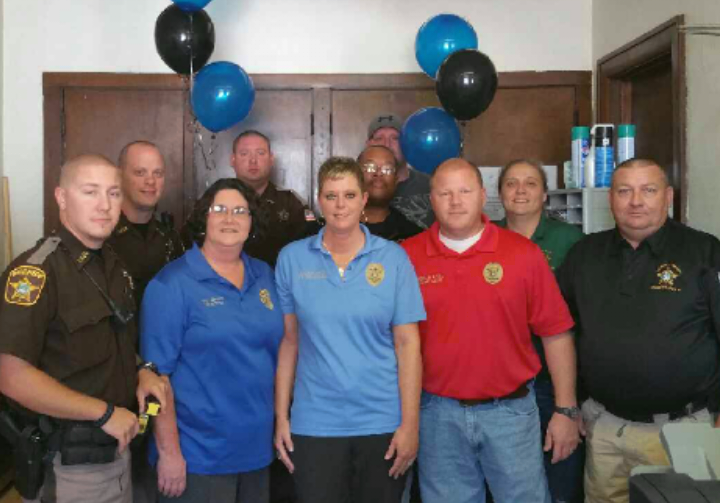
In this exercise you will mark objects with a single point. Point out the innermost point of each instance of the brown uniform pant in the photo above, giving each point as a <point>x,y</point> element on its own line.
<point>102,483</point>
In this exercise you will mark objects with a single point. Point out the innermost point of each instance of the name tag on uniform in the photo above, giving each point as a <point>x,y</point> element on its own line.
<point>431,279</point>
<point>214,301</point>
<point>313,275</point>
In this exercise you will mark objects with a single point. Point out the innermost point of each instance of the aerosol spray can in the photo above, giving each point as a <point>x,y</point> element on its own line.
<point>626,142</point>
<point>580,151</point>
<point>602,139</point>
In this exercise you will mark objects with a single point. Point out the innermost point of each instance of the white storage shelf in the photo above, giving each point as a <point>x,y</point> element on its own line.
<point>586,208</point>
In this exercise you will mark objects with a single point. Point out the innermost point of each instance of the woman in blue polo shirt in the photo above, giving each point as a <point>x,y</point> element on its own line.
<point>212,325</point>
<point>350,356</point>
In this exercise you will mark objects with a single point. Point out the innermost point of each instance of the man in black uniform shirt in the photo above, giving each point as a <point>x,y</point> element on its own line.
<point>253,160</point>
<point>67,341</point>
<point>380,168</point>
<point>143,240</point>
<point>642,298</point>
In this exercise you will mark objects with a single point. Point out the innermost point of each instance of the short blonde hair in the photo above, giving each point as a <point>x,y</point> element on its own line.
<point>336,167</point>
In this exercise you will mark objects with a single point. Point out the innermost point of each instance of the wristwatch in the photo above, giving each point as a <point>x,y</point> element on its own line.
<point>150,366</point>
<point>571,412</point>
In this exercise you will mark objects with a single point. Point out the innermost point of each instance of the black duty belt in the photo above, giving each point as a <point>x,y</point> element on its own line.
<point>521,392</point>
<point>687,410</point>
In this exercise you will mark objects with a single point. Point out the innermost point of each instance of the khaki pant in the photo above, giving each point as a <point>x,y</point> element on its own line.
<point>101,483</point>
<point>615,446</point>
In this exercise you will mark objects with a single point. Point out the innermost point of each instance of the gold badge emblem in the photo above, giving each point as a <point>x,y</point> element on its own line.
<point>493,273</point>
<point>24,285</point>
<point>266,300</point>
<point>83,257</point>
<point>375,274</point>
<point>667,274</point>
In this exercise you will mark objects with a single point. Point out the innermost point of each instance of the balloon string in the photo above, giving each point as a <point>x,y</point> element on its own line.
<point>199,145</point>
<point>463,125</point>
<point>192,56</point>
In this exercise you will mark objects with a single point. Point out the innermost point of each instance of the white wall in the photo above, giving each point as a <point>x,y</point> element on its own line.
<point>263,36</point>
<point>616,22</point>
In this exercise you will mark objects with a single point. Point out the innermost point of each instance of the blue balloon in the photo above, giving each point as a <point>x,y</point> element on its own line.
<point>430,137</point>
<point>222,96</point>
<point>191,5</point>
<point>439,37</point>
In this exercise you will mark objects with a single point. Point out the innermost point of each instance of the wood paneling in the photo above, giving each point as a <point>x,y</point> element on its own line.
<point>308,117</point>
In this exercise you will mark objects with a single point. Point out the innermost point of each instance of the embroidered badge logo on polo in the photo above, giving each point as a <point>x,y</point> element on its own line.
<point>214,301</point>
<point>266,300</point>
<point>667,274</point>
<point>375,274</point>
<point>24,285</point>
<point>283,215</point>
<point>493,273</point>
<point>548,257</point>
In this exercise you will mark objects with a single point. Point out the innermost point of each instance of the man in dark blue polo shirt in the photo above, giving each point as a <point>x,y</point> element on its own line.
<point>647,344</point>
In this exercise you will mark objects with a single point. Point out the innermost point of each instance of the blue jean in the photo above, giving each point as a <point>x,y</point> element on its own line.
<point>462,447</point>
<point>565,478</point>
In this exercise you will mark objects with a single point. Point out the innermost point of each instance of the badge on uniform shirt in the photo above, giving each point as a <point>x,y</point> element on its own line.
<point>493,273</point>
<point>283,215</point>
<point>121,230</point>
<point>667,274</point>
<point>24,285</point>
<point>265,299</point>
<point>83,257</point>
<point>548,256</point>
<point>375,274</point>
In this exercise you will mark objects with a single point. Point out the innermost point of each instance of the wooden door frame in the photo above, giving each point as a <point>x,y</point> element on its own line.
<point>614,91</point>
<point>321,85</point>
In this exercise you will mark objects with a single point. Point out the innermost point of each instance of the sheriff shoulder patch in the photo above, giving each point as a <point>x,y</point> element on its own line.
<point>24,285</point>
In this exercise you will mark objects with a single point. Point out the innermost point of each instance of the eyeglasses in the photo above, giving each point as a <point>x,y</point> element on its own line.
<point>371,169</point>
<point>221,209</point>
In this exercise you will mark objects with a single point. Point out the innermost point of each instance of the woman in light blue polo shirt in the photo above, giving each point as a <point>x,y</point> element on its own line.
<point>350,356</point>
<point>212,324</point>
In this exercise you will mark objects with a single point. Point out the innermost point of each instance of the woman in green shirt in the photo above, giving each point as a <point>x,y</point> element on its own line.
<point>523,191</point>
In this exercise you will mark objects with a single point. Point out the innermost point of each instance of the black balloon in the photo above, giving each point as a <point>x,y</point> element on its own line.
<point>466,84</point>
<point>181,36</point>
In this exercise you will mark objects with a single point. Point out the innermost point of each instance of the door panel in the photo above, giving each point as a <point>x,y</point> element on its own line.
<point>285,117</point>
<point>652,113</point>
<point>102,121</point>
<point>527,122</point>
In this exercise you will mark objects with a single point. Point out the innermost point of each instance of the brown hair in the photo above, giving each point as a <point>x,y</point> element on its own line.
<point>250,132</point>
<point>197,222</point>
<point>530,162</point>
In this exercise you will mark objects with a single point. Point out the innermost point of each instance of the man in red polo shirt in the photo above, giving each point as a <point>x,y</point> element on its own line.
<point>486,290</point>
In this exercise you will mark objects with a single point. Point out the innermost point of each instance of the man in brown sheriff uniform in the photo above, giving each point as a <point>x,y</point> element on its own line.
<point>284,214</point>
<point>67,343</point>
<point>144,241</point>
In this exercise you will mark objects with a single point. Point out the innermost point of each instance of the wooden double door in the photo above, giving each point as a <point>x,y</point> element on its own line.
<point>308,118</point>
